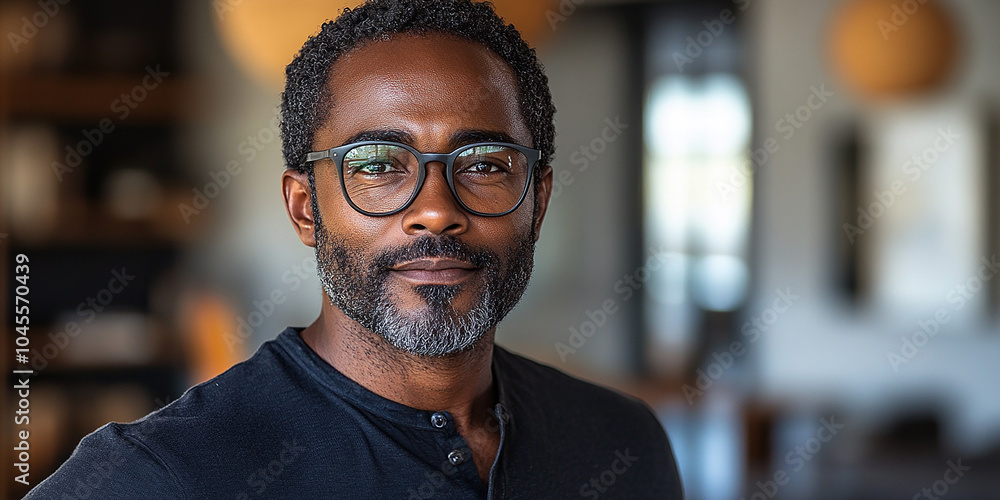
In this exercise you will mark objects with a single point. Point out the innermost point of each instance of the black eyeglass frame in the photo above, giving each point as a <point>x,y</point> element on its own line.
<point>448,159</point>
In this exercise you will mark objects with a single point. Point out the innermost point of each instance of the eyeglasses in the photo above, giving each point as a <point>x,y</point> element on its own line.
<point>382,178</point>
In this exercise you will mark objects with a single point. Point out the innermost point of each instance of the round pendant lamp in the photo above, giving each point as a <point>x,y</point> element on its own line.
<point>262,36</point>
<point>891,48</point>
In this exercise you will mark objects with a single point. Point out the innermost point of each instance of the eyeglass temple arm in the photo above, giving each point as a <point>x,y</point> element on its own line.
<point>318,155</point>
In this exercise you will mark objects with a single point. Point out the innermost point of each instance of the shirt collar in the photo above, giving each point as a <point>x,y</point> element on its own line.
<point>354,393</point>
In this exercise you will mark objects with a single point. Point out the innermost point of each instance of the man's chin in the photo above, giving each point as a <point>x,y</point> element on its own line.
<point>434,320</point>
<point>431,304</point>
<point>433,332</point>
<point>439,297</point>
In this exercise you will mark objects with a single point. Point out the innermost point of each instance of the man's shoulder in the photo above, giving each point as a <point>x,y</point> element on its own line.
<point>261,392</point>
<point>585,427</point>
<point>550,386</point>
<point>242,414</point>
<point>238,390</point>
<point>110,461</point>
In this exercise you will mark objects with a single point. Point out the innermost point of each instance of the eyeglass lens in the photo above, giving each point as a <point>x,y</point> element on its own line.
<point>380,178</point>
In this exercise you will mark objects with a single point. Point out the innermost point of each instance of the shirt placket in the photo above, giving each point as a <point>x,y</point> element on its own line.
<point>457,457</point>
<point>495,488</point>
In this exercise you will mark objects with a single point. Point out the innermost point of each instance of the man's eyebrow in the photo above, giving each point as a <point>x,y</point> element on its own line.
<point>463,137</point>
<point>391,135</point>
<point>459,138</point>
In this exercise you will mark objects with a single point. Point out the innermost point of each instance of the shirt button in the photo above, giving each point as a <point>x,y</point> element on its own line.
<point>456,457</point>
<point>439,420</point>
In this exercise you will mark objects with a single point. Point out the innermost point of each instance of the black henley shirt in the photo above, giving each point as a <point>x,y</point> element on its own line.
<point>286,424</point>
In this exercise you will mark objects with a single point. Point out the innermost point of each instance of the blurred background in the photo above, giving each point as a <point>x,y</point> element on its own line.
<point>775,221</point>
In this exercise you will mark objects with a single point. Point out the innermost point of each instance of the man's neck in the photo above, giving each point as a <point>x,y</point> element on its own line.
<point>461,384</point>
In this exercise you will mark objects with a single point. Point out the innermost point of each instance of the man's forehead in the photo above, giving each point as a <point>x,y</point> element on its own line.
<point>416,82</point>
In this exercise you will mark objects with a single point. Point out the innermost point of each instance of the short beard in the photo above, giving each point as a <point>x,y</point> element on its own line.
<point>356,284</point>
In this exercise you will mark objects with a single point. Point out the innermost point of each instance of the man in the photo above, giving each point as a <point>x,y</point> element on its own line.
<point>417,136</point>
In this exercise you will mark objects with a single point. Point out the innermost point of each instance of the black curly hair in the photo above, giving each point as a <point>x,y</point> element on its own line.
<point>306,99</point>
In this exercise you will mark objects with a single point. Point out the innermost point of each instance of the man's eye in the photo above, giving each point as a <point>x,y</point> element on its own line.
<point>372,167</point>
<point>484,167</point>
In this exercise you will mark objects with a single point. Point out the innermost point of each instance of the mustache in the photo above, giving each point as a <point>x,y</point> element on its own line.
<point>448,247</point>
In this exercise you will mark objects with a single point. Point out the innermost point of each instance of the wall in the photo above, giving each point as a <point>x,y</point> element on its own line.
<point>822,350</point>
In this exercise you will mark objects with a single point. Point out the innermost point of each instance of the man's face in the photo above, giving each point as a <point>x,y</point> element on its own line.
<point>432,279</point>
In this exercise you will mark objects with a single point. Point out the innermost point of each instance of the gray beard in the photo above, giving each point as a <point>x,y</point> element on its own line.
<point>358,286</point>
<point>438,332</point>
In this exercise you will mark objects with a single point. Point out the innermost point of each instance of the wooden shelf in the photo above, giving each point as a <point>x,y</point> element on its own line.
<point>93,98</point>
<point>90,85</point>
<point>82,223</point>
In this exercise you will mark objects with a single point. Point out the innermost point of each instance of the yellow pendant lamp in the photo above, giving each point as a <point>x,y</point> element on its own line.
<point>891,48</point>
<point>262,36</point>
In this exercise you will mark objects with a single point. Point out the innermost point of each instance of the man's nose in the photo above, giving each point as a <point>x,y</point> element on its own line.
<point>435,210</point>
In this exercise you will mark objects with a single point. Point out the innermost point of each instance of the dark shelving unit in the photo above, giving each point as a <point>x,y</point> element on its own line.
<point>116,209</point>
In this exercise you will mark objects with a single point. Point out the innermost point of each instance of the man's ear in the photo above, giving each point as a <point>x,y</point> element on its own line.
<point>298,204</point>
<point>544,193</point>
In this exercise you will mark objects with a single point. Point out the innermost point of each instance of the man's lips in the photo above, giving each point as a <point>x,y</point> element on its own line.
<point>434,271</point>
<point>433,265</point>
